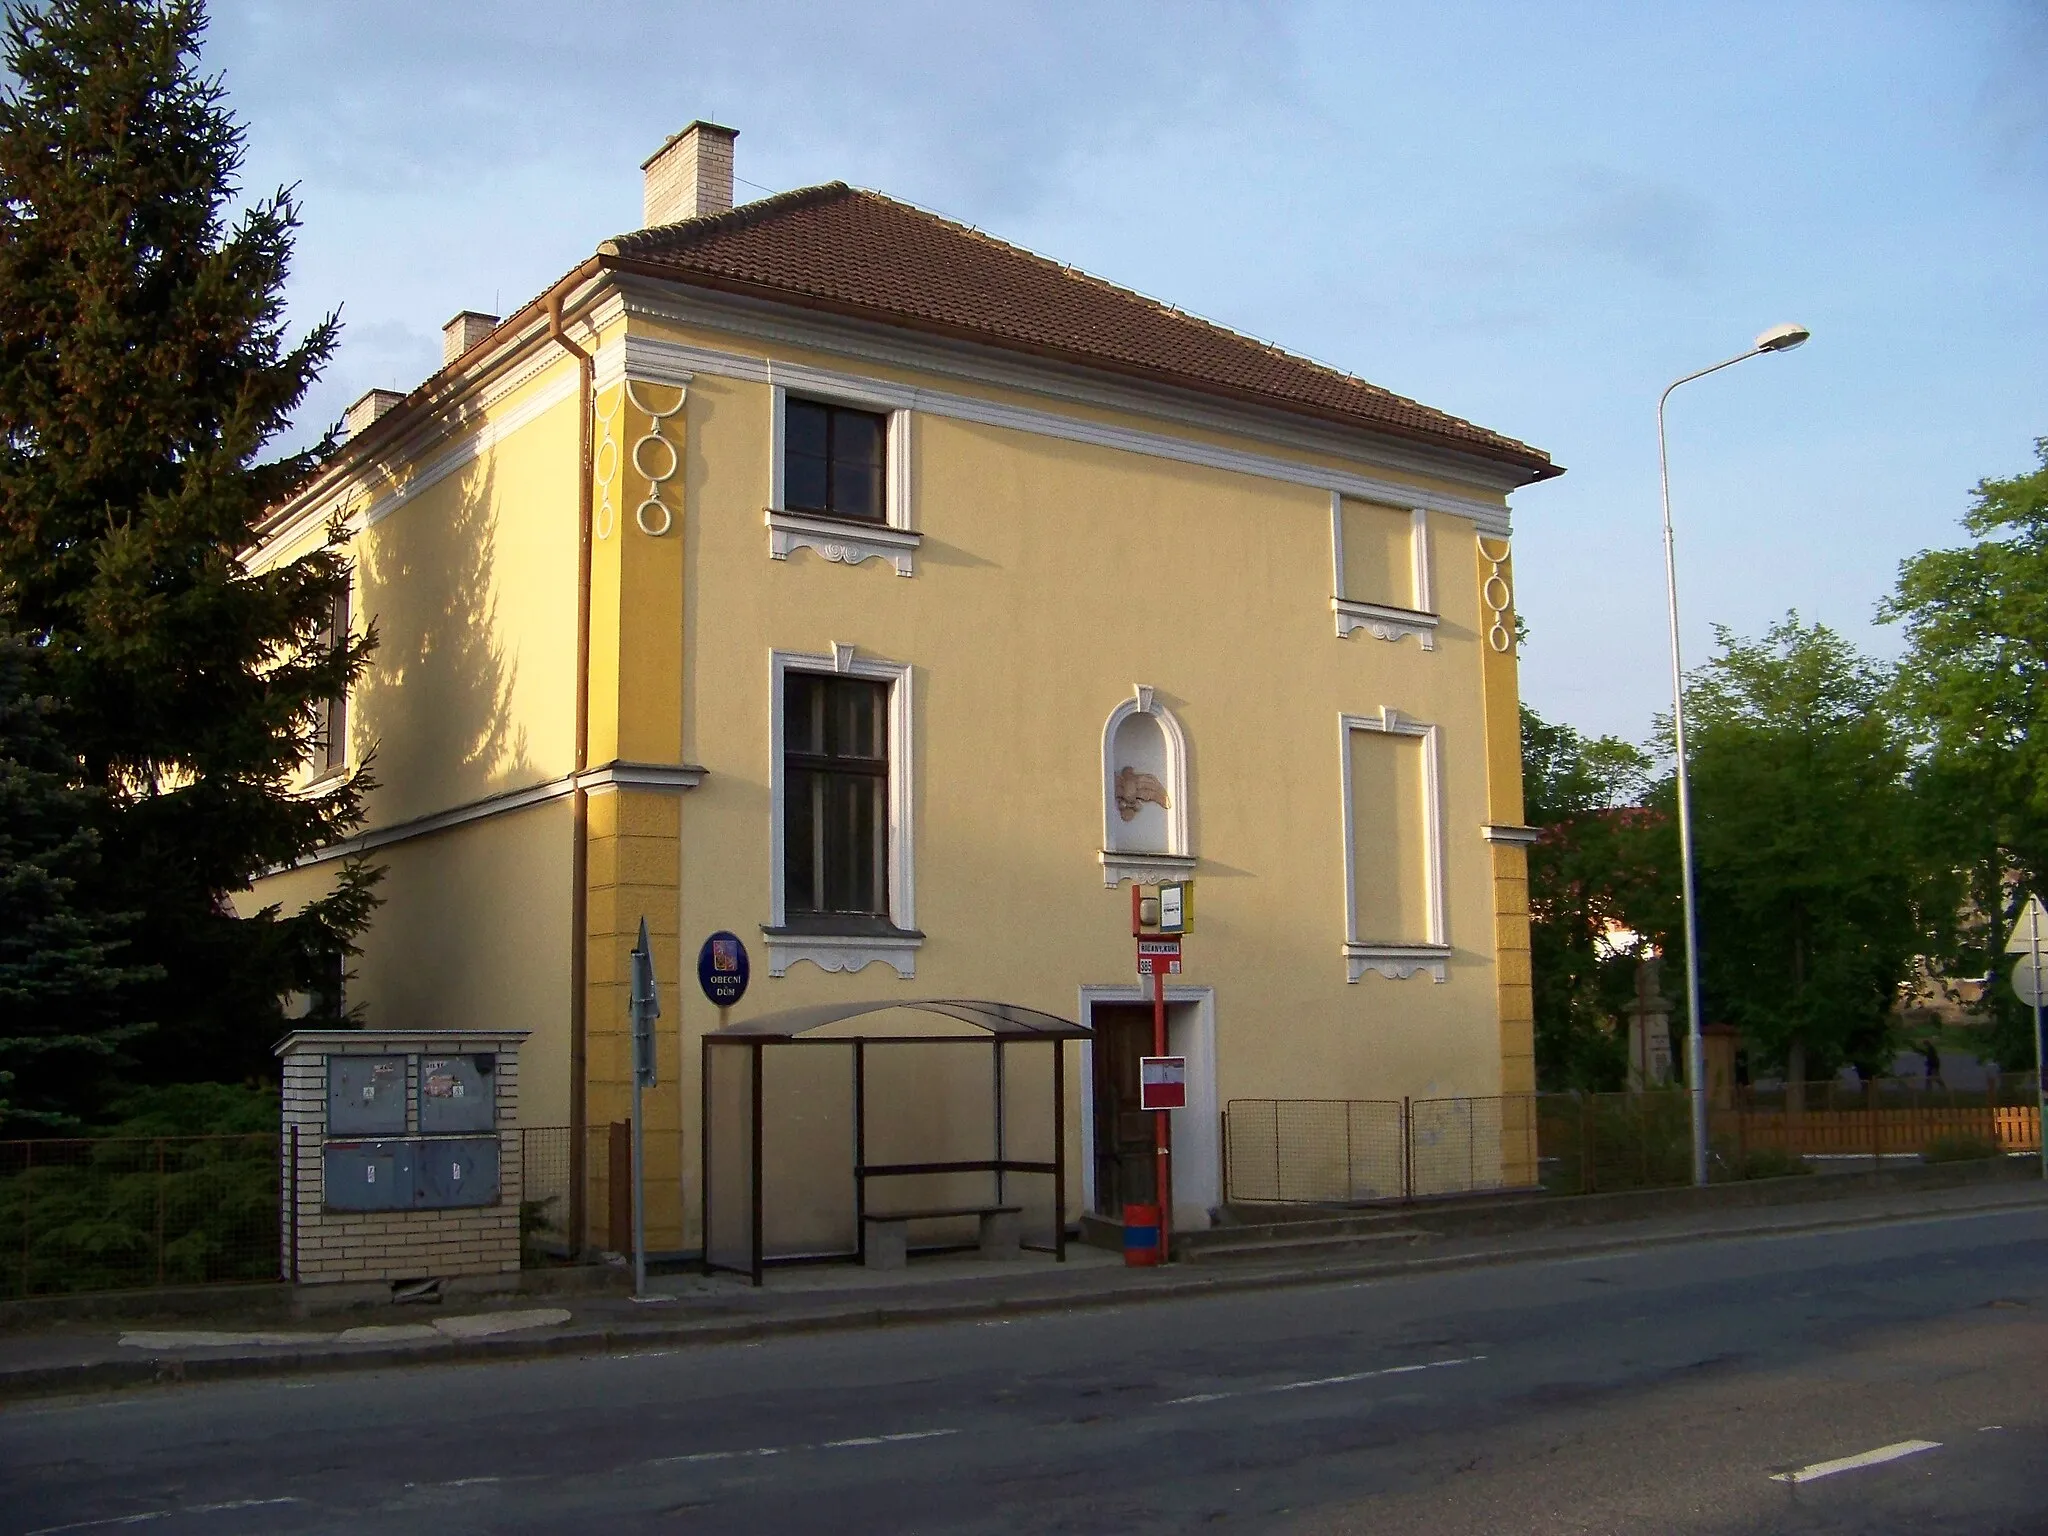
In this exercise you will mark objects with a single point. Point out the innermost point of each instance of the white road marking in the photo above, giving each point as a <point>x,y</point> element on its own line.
<point>790,1450</point>
<point>1320,1381</point>
<point>163,1514</point>
<point>1876,1458</point>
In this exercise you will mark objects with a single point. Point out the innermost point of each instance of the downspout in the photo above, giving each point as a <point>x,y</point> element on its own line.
<point>579,800</point>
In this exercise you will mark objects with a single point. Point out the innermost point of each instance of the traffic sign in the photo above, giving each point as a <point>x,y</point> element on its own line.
<point>722,968</point>
<point>646,1008</point>
<point>2033,918</point>
<point>2030,978</point>
<point>1159,957</point>
<point>1162,1082</point>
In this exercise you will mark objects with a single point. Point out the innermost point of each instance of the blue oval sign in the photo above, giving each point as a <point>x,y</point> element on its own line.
<point>722,968</point>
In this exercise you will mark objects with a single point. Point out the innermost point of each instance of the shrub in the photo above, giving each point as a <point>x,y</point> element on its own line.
<point>1958,1148</point>
<point>1768,1163</point>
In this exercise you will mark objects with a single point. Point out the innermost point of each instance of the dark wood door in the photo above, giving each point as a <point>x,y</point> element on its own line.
<point>1125,1162</point>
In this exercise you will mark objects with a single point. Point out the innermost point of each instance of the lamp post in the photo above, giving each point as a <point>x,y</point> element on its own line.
<point>1780,338</point>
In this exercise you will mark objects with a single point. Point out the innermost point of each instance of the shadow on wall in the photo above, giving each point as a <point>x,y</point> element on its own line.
<point>437,700</point>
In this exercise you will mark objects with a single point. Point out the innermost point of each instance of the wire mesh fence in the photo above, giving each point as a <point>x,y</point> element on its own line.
<point>544,1201</point>
<point>1339,1152</point>
<point>127,1212</point>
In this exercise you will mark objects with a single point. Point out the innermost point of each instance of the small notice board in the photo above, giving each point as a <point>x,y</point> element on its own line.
<point>1162,1082</point>
<point>1159,957</point>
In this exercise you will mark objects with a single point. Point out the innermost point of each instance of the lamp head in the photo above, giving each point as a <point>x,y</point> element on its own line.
<point>1782,338</point>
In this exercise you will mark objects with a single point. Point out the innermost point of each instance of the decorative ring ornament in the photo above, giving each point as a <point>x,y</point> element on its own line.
<point>655,482</point>
<point>1498,596</point>
<point>607,466</point>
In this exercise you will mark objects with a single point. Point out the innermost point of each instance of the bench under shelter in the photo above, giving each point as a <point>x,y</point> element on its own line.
<point>822,1141</point>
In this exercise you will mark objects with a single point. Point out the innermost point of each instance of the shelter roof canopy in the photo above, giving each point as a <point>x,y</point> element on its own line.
<point>1007,1020</point>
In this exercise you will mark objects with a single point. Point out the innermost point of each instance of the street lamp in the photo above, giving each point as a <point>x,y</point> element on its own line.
<point>1779,338</point>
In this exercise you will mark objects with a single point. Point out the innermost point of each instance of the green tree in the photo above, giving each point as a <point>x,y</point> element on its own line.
<point>1595,869</point>
<point>1810,890</point>
<point>61,980</point>
<point>1974,688</point>
<point>145,367</point>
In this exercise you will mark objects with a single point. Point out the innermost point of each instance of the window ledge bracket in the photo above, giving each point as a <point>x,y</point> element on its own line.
<point>842,539</point>
<point>1385,623</point>
<point>1145,868</point>
<point>843,952</point>
<point>1397,962</point>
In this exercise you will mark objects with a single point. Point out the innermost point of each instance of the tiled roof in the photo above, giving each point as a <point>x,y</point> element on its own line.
<point>861,254</point>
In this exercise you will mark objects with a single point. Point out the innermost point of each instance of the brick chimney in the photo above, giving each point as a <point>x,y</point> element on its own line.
<point>464,332</point>
<point>689,177</point>
<point>368,408</point>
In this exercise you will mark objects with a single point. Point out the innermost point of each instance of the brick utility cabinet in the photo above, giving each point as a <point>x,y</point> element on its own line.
<point>401,1154</point>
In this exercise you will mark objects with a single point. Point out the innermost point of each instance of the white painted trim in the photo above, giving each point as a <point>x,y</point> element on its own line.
<point>842,540</point>
<point>614,775</point>
<point>843,952</point>
<point>1197,1130</point>
<point>845,662</point>
<point>1490,517</point>
<point>1145,868</point>
<point>1398,959</point>
<point>893,346</point>
<point>1518,837</point>
<point>1179,854</point>
<point>643,359</point>
<point>1386,621</point>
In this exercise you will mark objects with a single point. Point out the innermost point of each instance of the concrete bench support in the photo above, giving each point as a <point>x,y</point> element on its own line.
<point>888,1232</point>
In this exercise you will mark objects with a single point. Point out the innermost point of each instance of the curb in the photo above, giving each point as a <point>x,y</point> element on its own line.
<point>36,1381</point>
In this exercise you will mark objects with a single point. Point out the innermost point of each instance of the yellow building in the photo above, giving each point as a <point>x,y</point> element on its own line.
<point>828,572</point>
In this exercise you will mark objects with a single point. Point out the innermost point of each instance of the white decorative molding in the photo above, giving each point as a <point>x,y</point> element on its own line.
<point>667,453</point>
<point>1491,516</point>
<point>1390,957</point>
<point>642,358</point>
<point>613,775</point>
<point>843,952</point>
<point>1397,962</point>
<point>1384,623</point>
<point>1518,837</point>
<point>842,540</point>
<point>845,661</point>
<point>1177,858</point>
<point>847,541</point>
<point>620,774</point>
<point>1145,868</point>
<point>1498,596</point>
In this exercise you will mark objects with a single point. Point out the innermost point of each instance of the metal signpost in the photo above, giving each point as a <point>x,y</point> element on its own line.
<point>1158,922</point>
<point>2030,980</point>
<point>646,1008</point>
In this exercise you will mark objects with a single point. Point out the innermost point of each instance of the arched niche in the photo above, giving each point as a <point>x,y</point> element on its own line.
<point>1144,793</point>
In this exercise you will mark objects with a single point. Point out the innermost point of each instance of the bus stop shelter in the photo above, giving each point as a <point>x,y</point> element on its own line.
<point>814,1131</point>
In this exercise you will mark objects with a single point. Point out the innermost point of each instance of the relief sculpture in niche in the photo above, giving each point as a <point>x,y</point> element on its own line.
<point>1134,787</point>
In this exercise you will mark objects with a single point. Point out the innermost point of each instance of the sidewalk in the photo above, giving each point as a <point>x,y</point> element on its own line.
<point>695,1309</point>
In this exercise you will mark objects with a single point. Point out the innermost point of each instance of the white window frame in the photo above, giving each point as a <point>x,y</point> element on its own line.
<point>1178,861</point>
<point>1385,621</point>
<point>1398,961</point>
<point>849,951</point>
<point>845,541</point>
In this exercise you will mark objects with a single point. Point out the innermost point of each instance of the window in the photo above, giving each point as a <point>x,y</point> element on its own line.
<point>330,731</point>
<point>833,459</point>
<point>835,735</point>
<point>1394,906</point>
<point>1380,556</point>
<point>842,891</point>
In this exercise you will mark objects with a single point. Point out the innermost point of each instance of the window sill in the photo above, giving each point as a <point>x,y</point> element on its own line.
<point>1385,623</point>
<point>850,946</point>
<point>1145,868</point>
<point>846,540</point>
<point>1397,962</point>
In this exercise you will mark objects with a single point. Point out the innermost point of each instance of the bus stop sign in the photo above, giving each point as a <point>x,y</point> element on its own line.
<point>1162,1082</point>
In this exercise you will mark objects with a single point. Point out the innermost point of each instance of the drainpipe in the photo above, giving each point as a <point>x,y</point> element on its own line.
<point>579,800</point>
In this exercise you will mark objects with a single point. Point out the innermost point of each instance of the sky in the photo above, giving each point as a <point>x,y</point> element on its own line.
<point>1531,215</point>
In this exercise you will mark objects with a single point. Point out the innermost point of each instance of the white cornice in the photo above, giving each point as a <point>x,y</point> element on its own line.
<point>1516,837</point>
<point>1169,406</point>
<point>1384,623</point>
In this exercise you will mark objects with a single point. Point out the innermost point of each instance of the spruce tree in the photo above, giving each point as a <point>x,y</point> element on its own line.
<point>145,368</point>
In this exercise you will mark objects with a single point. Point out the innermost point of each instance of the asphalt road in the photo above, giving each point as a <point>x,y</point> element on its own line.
<point>1665,1390</point>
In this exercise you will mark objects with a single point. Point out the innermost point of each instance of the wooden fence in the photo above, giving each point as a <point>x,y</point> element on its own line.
<point>1879,1131</point>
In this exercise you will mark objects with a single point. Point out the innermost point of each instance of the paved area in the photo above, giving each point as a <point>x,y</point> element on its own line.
<point>1872,1378</point>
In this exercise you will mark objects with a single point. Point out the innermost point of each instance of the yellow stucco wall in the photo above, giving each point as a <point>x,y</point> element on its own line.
<point>1052,577</point>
